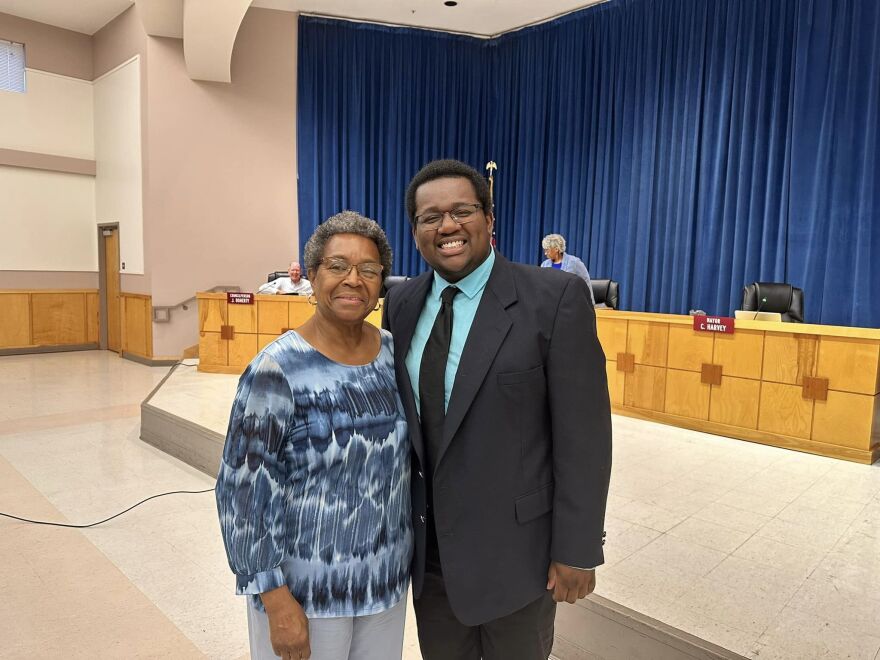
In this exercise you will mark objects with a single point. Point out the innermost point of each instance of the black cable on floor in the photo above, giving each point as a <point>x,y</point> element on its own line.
<point>100,522</point>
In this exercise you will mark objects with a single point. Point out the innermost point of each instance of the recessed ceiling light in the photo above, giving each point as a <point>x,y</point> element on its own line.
<point>450,3</point>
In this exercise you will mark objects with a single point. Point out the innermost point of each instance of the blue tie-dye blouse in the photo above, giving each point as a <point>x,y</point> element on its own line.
<point>313,490</point>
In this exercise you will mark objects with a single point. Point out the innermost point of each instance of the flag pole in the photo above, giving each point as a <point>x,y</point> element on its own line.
<point>490,168</point>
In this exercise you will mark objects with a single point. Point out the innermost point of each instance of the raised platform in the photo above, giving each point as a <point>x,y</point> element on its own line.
<point>715,547</point>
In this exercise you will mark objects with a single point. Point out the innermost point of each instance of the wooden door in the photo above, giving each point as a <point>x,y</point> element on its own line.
<point>110,240</point>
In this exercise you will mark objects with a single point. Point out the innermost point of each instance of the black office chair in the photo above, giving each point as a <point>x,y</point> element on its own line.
<point>783,298</point>
<point>606,292</point>
<point>278,273</point>
<point>390,282</point>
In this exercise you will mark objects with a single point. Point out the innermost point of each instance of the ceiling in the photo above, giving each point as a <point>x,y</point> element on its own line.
<point>481,17</point>
<point>87,16</point>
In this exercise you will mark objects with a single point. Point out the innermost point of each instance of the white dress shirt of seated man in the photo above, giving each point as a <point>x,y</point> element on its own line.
<point>293,283</point>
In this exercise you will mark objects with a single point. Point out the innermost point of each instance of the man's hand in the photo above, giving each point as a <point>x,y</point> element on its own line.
<point>569,584</point>
<point>288,625</point>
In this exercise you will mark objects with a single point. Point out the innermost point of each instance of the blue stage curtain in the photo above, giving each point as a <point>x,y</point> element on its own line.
<point>833,249</point>
<point>683,147</point>
<point>374,104</point>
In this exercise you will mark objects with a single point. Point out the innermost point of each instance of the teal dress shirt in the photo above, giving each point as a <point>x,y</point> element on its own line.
<point>464,308</point>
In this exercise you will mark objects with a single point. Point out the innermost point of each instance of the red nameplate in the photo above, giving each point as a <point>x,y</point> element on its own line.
<point>236,298</point>
<point>713,324</point>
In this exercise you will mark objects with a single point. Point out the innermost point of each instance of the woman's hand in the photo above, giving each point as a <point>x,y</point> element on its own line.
<point>288,625</point>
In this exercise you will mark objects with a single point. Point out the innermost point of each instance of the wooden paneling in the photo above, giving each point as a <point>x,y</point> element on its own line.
<point>771,439</point>
<point>615,382</point>
<point>48,317</point>
<point>710,374</point>
<point>740,354</point>
<point>645,388</point>
<point>219,369</point>
<point>264,340</point>
<point>93,318</point>
<point>298,312</point>
<point>686,395</point>
<point>375,317</point>
<point>272,316</point>
<point>213,351</point>
<point>137,324</point>
<point>872,334</point>
<point>844,419</point>
<point>784,410</point>
<point>815,388</point>
<point>875,429</point>
<point>242,349</point>
<point>735,402</point>
<point>626,362</point>
<point>15,320</point>
<point>789,357</point>
<point>850,365</point>
<point>212,314</point>
<point>58,318</point>
<point>689,349</point>
<point>648,342</point>
<point>612,336</point>
<point>242,317</point>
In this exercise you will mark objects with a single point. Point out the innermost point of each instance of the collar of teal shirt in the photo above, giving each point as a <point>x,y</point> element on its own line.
<point>471,285</point>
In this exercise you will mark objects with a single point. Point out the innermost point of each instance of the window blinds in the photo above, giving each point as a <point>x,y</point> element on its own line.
<point>11,66</point>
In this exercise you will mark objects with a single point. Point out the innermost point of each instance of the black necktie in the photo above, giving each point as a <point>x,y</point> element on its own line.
<point>432,407</point>
<point>432,376</point>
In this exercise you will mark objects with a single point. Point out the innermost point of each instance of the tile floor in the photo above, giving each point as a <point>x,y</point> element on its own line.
<point>767,552</point>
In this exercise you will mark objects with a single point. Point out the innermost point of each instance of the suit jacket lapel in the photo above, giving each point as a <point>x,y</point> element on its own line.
<point>490,327</point>
<point>404,328</point>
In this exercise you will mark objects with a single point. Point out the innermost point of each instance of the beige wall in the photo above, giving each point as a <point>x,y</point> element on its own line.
<point>34,279</point>
<point>54,116</point>
<point>49,48</point>
<point>221,201</point>
<point>47,218</point>
<point>118,184</point>
<point>218,164</point>
<point>48,221</point>
<point>112,45</point>
<point>119,41</point>
<point>48,237</point>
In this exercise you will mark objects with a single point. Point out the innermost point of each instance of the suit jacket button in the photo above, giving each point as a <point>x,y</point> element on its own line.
<point>421,476</point>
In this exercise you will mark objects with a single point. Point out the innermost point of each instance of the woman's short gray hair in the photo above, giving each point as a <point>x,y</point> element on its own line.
<point>347,222</point>
<point>552,241</point>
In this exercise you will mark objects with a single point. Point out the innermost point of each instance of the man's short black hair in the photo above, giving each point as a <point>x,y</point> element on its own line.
<point>439,169</point>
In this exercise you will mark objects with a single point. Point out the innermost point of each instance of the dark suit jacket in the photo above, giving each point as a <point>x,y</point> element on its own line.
<point>522,474</point>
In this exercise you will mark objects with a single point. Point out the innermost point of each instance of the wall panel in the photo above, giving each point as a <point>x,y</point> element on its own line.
<point>48,221</point>
<point>55,116</point>
<point>15,314</point>
<point>136,311</point>
<point>58,318</point>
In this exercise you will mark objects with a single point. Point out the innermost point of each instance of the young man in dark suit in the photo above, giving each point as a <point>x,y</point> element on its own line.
<point>503,381</point>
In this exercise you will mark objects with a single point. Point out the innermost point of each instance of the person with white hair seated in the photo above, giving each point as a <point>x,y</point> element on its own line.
<point>554,250</point>
<point>293,283</point>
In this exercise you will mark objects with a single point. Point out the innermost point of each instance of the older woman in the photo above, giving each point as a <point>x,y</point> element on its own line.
<point>554,249</point>
<point>313,491</point>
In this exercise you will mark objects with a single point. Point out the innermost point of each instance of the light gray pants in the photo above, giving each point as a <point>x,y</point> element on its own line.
<point>372,637</point>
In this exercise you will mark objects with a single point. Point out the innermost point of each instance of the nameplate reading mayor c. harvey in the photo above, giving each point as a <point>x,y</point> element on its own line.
<point>713,324</point>
<point>236,298</point>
